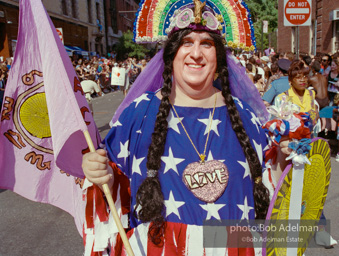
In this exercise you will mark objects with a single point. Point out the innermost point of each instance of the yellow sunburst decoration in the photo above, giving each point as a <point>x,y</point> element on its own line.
<point>34,116</point>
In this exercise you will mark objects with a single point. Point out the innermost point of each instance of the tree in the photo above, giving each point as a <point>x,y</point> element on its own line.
<point>263,10</point>
<point>127,48</point>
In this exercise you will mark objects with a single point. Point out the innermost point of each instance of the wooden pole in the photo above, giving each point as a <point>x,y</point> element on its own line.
<point>111,203</point>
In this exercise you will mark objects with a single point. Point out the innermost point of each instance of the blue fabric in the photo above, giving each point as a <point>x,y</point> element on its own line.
<point>279,85</point>
<point>327,112</point>
<point>134,129</point>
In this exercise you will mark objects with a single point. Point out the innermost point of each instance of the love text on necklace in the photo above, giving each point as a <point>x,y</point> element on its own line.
<point>206,181</point>
<point>201,179</point>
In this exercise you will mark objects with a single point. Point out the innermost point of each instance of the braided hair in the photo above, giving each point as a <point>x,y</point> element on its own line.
<point>149,195</point>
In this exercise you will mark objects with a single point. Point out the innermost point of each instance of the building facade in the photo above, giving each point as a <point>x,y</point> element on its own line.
<point>321,37</point>
<point>120,17</point>
<point>80,22</point>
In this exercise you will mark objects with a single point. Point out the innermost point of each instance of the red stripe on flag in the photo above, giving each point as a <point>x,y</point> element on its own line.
<point>119,248</point>
<point>89,208</point>
<point>125,192</point>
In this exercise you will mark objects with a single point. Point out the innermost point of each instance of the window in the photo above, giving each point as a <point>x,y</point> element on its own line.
<point>97,6</point>
<point>74,9</point>
<point>89,8</point>
<point>64,7</point>
<point>114,20</point>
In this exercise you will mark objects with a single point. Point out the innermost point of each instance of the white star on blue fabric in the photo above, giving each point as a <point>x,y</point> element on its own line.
<point>238,101</point>
<point>136,165</point>
<point>124,153</point>
<point>210,157</point>
<point>247,169</point>
<point>172,206</point>
<point>212,210</point>
<point>173,122</point>
<point>138,131</point>
<point>140,99</point>
<point>213,125</point>
<point>255,120</point>
<point>171,162</point>
<point>116,124</point>
<point>258,148</point>
<point>245,209</point>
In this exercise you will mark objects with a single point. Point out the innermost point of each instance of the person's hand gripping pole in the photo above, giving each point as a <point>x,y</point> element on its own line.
<point>111,203</point>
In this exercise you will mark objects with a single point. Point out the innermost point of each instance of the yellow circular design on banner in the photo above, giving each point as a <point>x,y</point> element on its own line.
<point>316,183</point>
<point>34,116</point>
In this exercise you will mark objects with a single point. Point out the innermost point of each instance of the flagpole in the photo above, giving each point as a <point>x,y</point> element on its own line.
<point>111,203</point>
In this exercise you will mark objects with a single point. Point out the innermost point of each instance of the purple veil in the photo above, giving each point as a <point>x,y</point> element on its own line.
<point>150,79</point>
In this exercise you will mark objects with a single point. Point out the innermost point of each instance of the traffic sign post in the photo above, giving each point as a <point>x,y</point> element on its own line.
<point>297,13</point>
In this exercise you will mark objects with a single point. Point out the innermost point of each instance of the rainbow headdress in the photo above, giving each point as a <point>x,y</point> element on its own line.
<point>156,19</point>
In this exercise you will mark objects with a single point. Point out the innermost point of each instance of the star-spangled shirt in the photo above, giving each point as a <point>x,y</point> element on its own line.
<point>128,141</point>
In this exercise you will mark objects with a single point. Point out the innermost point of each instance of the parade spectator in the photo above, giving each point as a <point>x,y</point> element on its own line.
<point>259,83</point>
<point>127,67</point>
<point>9,63</point>
<point>326,61</point>
<point>252,61</point>
<point>265,61</point>
<point>275,74</point>
<point>279,85</point>
<point>299,94</point>
<point>290,56</point>
<point>141,65</point>
<point>243,59</point>
<point>307,60</point>
<point>80,73</point>
<point>89,87</point>
<point>333,80</point>
<point>249,73</point>
<point>319,83</point>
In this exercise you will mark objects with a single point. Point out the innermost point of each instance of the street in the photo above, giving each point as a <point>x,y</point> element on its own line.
<point>30,228</point>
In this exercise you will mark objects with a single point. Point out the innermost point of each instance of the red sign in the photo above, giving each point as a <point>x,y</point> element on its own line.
<point>297,12</point>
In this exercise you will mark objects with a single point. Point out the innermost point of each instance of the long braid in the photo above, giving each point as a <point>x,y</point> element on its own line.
<point>149,195</point>
<point>260,192</point>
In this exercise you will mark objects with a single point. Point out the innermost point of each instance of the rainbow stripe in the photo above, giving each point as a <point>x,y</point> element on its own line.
<point>153,18</point>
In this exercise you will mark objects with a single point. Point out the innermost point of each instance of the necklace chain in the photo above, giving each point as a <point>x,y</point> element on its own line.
<point>203,155</point>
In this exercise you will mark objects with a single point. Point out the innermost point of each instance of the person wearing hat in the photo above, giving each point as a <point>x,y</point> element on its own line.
<point>182,151</point>
<point>279,85</point>
<point>265,61</point>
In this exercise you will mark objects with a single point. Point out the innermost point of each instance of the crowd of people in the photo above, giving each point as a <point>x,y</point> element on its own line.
<point>316,92</point>
<point>101,70</point>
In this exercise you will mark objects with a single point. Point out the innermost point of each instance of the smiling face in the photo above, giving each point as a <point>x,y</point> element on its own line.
<point>195,64</point>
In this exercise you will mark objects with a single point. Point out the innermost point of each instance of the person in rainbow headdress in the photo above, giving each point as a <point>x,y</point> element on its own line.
<point>184,153</point>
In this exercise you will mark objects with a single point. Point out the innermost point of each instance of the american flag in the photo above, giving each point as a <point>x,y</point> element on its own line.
<point>127,145</point>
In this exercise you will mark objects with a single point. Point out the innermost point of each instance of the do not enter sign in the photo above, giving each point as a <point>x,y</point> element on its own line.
<point>297,12</point>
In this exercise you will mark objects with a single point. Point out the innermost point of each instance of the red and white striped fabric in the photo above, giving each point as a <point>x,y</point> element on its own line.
<point>101,237</point>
